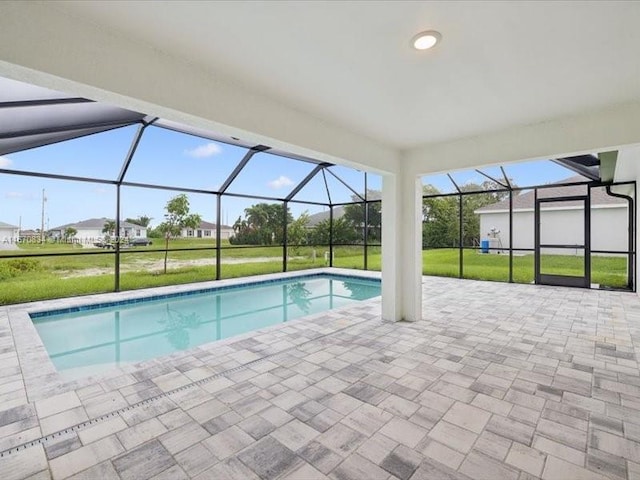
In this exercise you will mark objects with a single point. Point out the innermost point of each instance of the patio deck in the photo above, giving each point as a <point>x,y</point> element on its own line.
<point>498,381</point>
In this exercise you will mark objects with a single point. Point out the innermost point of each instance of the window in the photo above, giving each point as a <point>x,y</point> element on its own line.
<point>207,233</point>
<point>189,233</point>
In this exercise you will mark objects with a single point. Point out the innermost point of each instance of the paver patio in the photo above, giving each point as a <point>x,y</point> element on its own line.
<point>498,381</point>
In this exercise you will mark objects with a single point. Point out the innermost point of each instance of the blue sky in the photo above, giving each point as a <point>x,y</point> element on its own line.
<point>523,174</point>
<point>164,157</point>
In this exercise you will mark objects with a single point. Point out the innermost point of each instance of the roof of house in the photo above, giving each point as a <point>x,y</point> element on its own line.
<point>316,218</point>
<point>525,201</point>
<point>211,226</point>
<point>7,225</point>
<point>95,223</point>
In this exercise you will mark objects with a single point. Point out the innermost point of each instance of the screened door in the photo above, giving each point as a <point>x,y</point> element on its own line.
<point>562,249</point>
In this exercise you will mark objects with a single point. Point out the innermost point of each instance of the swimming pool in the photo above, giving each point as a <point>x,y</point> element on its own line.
<point>95,338</point>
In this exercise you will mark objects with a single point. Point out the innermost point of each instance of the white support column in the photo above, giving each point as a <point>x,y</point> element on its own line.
<point>401,248</point>
<point>628,169</point>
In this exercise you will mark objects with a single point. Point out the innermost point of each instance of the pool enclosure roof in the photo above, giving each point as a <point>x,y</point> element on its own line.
<point>33,117</point>
<point>558,172</point>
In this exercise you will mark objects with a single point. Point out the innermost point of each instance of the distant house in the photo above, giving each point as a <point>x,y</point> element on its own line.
<point>564,220</point>
<point>8,233</point>
<point>316,218</point>
<point>207,230</point>
<point>90,231</point>
<point>26,235</point>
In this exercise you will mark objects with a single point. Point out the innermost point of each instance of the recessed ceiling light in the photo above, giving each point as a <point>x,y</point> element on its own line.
<point>426,40</point>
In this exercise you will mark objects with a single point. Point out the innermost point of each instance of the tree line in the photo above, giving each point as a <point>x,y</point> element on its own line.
<point>441,214</point>
<point>263,224</point>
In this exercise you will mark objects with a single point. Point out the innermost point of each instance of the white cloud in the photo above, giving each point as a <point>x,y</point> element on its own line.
<point>280,182</point>
<point>5,162</point>
<point>204,151</point>
<point>22,196</point>
<point>14,195</point>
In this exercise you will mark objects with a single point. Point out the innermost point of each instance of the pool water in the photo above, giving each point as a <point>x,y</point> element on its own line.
<point>101,338</point>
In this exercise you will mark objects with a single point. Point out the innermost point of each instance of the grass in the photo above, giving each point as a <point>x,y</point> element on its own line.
<point>606,271</point>
<point>44,277</point>
<point>34,286</point>
<point>40,278</point>
<point>45,285</point>
<point>151,252</point>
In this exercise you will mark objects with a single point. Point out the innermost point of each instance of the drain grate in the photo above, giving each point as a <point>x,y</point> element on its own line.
<point>79,426</point>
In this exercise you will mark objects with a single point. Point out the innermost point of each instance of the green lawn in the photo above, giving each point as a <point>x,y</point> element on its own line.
<point>39,278</point>
<point>54,277</point>
<point>606,271</point>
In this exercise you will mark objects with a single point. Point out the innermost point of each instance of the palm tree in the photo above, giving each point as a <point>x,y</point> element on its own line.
<point>240,225</point>
<point>142,220</point>
<point>257,215</point>
<point>69,233</point>
<point>109,229</point>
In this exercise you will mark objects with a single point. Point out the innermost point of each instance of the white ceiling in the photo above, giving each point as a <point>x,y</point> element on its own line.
<point>500,64</point>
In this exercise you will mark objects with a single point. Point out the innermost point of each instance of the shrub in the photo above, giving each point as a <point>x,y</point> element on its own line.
<point>15,267</point>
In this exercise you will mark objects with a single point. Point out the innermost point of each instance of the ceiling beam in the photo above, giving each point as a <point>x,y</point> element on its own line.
<point>606,129</point>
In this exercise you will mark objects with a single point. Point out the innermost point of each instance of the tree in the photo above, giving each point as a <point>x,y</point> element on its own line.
<point>109,229</point>
<point>154,233</point>
<point>240,225</point>
<point>374,222</point>
<point>320,233</point>
<point>343,232</point>
<point>297,232</point>
<point>142,220</point>
<point>355,216</point>
<point>263,225</point>
<point>176,218</point>
<point>440,225</point>
<point>69,233</point>
<point>441,214</point>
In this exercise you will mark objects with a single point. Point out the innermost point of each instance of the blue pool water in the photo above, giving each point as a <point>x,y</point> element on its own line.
<point>99,338</point>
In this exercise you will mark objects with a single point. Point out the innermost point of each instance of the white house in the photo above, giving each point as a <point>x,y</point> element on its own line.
<point>562,223</point>
<point>207,230</point>
<point>8,233</point>
<point>91,230</point>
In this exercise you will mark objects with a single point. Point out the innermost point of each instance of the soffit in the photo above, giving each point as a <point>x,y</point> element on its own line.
<point>500,64</point>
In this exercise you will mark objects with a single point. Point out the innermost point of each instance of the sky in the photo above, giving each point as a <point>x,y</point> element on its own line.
<point>166,157</point>
<point>163,157</point>
<point>522,174</point>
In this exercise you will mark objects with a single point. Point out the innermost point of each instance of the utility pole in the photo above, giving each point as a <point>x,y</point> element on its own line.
<point>44,199</point>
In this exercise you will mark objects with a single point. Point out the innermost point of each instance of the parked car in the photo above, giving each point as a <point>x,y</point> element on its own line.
<point>140,242</point>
